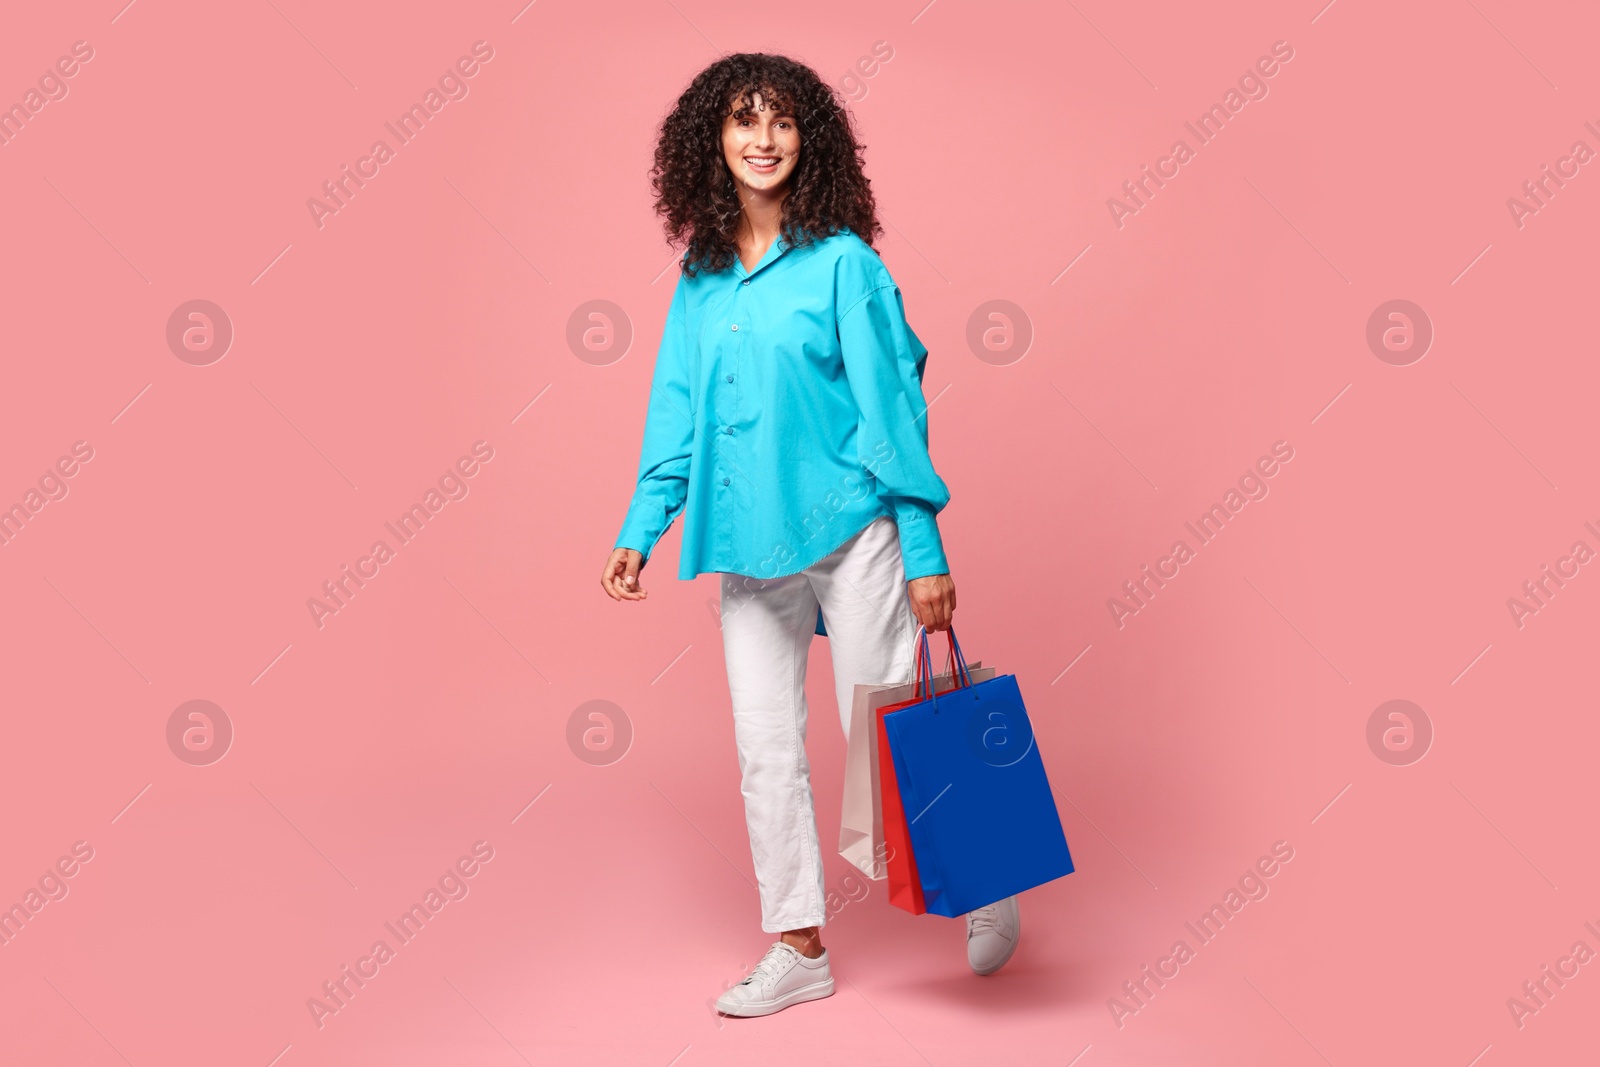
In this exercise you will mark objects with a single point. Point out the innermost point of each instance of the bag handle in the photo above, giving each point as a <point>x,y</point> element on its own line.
<point>957,660</point>
<point>923,690</point>
<point>956,663</point>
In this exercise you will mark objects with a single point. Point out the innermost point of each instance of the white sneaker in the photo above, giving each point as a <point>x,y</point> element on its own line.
<point>783,977</point>
<point>992,934</point>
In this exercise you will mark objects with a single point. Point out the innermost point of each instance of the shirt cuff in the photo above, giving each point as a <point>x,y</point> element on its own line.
<point>921,547</point>
<point>639,534</point>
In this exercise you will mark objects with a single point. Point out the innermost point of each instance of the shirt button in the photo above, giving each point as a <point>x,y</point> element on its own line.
<point>727,429</point>
<point>724,481</point>
<point>745,282</point>
<point>736,326</point>
<point>730,377</point>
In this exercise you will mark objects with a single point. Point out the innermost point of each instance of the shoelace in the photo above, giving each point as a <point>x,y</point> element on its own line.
<point>773,964</point>
<point>985,918</point>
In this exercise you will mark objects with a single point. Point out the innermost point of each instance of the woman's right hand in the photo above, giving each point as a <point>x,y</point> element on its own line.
<point>620,579</point>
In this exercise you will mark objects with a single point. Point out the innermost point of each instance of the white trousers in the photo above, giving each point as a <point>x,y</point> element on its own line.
<point>767,626</point>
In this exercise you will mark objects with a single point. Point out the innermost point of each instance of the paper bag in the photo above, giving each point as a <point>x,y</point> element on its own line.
<point>983,823</point>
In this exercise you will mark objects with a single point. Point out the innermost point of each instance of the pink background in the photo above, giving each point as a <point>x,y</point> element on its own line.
<point>430,312</point>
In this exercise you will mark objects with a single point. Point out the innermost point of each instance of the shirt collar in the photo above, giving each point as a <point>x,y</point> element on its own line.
<point>778,248</point>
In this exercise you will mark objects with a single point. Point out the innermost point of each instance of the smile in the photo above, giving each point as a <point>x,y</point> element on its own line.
<point>763,164</point>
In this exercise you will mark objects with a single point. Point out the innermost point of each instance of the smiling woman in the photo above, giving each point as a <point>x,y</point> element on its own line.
<point>787,370</point>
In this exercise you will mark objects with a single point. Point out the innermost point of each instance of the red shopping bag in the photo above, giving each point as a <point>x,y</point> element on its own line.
<point>905,888</point>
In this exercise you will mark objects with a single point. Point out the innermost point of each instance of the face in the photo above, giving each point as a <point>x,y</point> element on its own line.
<point>761,147</point>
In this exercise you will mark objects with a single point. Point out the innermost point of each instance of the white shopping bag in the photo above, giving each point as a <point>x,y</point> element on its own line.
<point>861,824</point>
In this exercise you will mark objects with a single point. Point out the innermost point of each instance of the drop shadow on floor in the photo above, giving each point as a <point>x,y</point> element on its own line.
<point>1021,987</point>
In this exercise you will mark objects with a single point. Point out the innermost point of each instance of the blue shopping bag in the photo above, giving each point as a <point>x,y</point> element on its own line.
<point>982,818</point>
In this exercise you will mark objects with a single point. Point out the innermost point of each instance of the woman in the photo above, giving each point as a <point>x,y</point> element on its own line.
<point>786,411</point>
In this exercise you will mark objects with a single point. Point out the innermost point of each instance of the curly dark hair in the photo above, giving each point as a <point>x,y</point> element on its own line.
<point>695,191</point>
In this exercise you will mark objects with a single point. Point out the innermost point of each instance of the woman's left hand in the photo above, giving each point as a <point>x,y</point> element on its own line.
<point>933,600</point>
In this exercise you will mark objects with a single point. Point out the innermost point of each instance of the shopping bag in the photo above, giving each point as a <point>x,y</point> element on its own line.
<point>900,865</point>
<point>861,813</point>
<point>981,819</point>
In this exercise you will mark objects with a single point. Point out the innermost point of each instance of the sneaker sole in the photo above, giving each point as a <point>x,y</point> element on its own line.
<point>814,991</point>
<point>1003,961</point>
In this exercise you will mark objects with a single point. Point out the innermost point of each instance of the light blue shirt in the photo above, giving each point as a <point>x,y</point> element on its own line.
<point>786,412</point>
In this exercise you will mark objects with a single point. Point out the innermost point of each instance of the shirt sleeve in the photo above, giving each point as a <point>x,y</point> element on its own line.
<point>884,362</point>
<point>663,482</point>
